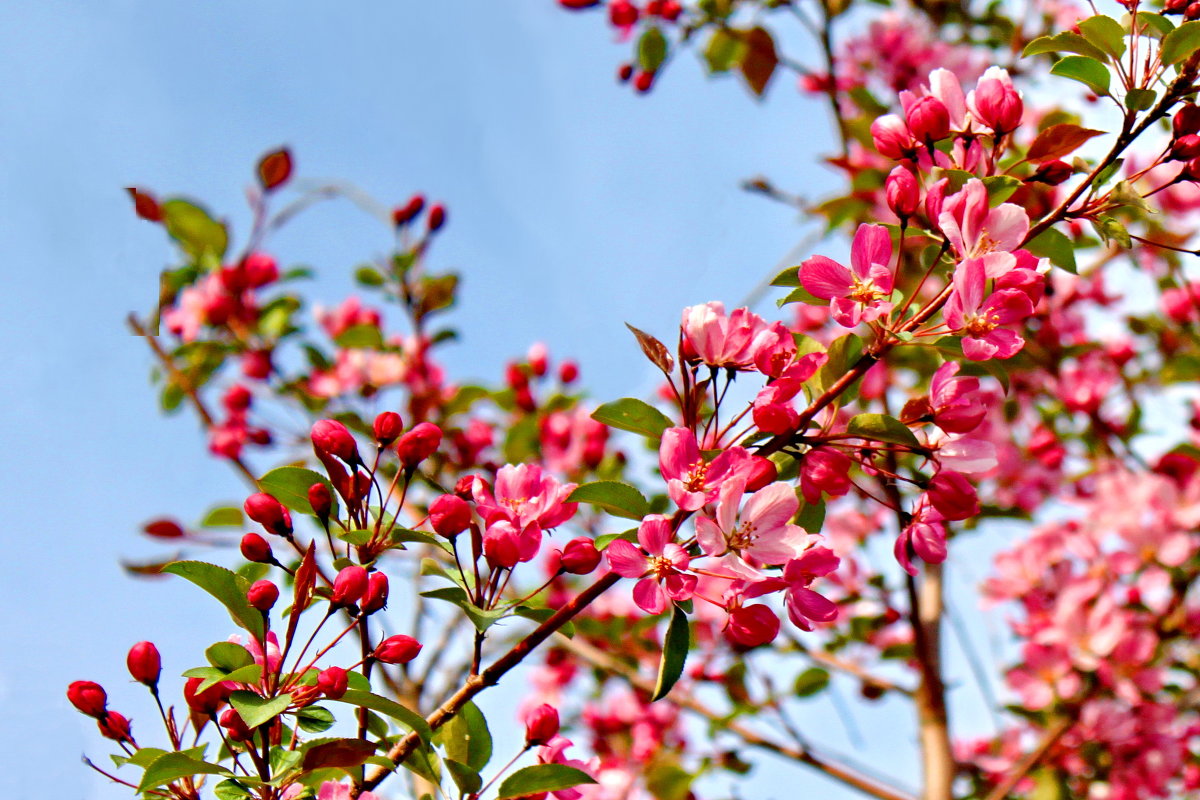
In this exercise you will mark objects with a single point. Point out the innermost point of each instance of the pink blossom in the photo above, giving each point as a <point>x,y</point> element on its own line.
<point>824,470</point>
<point>958,406</point>
<point>525,496</point>
<point>804,605</point>
<point>721,340</point>
<point>553,752</point>
<point>762,531</point>
<point>924,536</point>
<point>859,294</point>
<point>773,410</point>
<point>660,564</point>
<point>1045,675</point>
<point>995,103</point>
<point>691,480</point>
<point>981,318</point>
<point>976,231</point>
<point>341,791</point>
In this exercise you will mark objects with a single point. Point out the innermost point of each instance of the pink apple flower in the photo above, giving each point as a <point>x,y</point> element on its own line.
<point>976,231</point>
<point>804,605</point>
<point>691,480</point>
<point>773,410</point>
<point>958,406</point>
<point>1045,675</point>
<point>859,294</point>
<point>773,349</point>
<point>660,564</point>
<point>721,340</point>
<point>824,470</point>
<point>762,531</point>
<point>995,103</point>
<point>925,536</point>
<point>980,319</point>
<point>341,791</point>
<point>525,496</point>
<point>553,752</point>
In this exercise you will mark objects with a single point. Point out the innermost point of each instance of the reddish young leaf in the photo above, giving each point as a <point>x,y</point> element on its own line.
<point>275,168</point>
<point>339,753</point>
<point>1058,141</point>
<point>655,350</point>
<point>758,60</point>
<point>145,205</point>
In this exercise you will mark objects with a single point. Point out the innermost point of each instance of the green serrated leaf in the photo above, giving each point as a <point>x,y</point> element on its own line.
<point>200,236</point>
<point>173,766</point>
<point>315,719</point>
<point>1106,33</point>
<point>481,618</point>
<point>290,485</point>
<point>390,708</point>
<point>466,738</point>
<point>1180,43</point>
<point>674,655</point>
<point>1088,71</point>
<point>632,414</point>
<point>542,778</point>
<point>360,337</point>
<point>614,497</point>
<point>255,710</point>
<point>1065,42</point>
<point>223,517</point>
<point>224,585</point>
<point>466,779</point>
<point>1140,99</point>
<point>723,51</point>
<point>881,428</point>
<point>1054,245</point>
<point>810,682</point>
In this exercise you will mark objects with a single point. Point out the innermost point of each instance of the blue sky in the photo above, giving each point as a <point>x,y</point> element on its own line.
<point>574,206</point>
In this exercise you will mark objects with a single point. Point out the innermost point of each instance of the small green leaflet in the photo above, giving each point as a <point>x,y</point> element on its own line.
<point>618,499</point>
<point>675,651</point>
<point>542,778</point>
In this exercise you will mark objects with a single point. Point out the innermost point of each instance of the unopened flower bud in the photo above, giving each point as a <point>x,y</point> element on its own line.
<point>257,364</point>
<point>902,192</point>
<point>269,512</point>
<point>409,211</point>
<point>115,726</point>
<point>333,682</point>
<point>419,444</point>
<point>580,556</point>
<point>1052,173</point>
<point>539,359</point>
<point>207,702</point>
<point>88,697</point>
<point>321,500</point>
<point>388,427</point>
<point>376,595</point>
<point>263,595</point>
<point>1185,148</point>
<point>144,662</point>
<point>260,270</point>
<point>332,438</point>
<point>643,82</point>
<point>164,529</point>
<point>624,73</point>
<point>953,496</point>
<point>568,372</point>
<point>349,585</point>
<point>465,486</point>
<point>398,649</point>
<point>541,725</point>
<point>928,119</point>
<point>255,548</point>
<point>622,13</point>
<point>437,217</point>
<point>235,726</point>
<point>998,103</point>
<point>891,136</point>
<point>449,515</point>
<point>237,398</point>
<point>761,473</point>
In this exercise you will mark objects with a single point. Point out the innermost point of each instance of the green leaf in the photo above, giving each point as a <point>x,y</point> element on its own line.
<point>1000,187</point>
<point>540,615</point>
<point>466,738</point>
<point>466,779</point>
<point>250,674</point>
<point>228,656</point>
<point>367,275</point>
<point>1065,42</point>
<point>230,789</point>
<point>315,719</point>
<point>481,618</point>
<point>173,766</point>
<point>255,710</point>
<point>542,778</point>
<point>675,651</point>
<point>614,497</point>
<point>195,230</point>
<point>409,719</point>
<point>1054,245</point>
<point>1140,99</point>
<point>1109,228</point>
<point>652,49</point>
<point>810,682</point>
<point>1156,26</point>
<point>290,485</point>
<point>631,414</point>
<point>224,585</point>
<point>360,337</point>
<point>811,516</point>
<point>223,517</point>
<point>843,353</point>
<point>881,428</point>
<point>1088,71</point>
<point>1104,32</point>
<point>669,782</point>
<point>605,539</point>
<point>723,51</point>
<point>1180,43</point>
<point>789,278</point>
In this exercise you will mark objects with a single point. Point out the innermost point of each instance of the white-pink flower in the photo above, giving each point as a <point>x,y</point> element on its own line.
<point>762,531</point>
<point>977,231</point>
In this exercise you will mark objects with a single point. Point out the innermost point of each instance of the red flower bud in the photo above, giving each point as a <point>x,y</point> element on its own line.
<point>237,398</point>
<point>376,595</point>
<point>578,5</point>
<point>332,682</point>
<point>88,697</point>
<point>580,556</point>
<point>388,427</point>
<point>953,496</point>
<point>1186,147</point>
<point>207,702</point>
<point>260,269</point>
<point>751,626</point>
<point>275,168</point>
<point>115,726</point>
<point>163,529</point>
<point>332,438</point>
<point>437,217</point>
<point>398,649</point>
<point>449,515</point>
<point>255,548</point>
<point>144,662</point>
<point>419,444</point>
<point>465,486</point>
<point>263,595</point>
<point>902,192</point>
<point>1186,120</point>
<point>891,136</point>
<point>643,82</point>
<point>999,105</point>
<point>928,119</point>
<point>257,364</point>
<point>269,512</point>
<point>671,10</point>
<point>541,725</point>
<point>624,73</point>
<point>235,726</point>
<point>349,585</point>
<point>622,13</point>
<point>409,211</point>
<point>145,205</point>
<point>762,472</point>
<point>1052,173</point>
<point>320,500</point>
<point>568,372</point>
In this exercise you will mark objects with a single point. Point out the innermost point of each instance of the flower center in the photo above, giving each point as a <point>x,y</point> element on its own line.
<point>661,567</point>
<point>694,478</point>
<point>980,325</point>
<point>741,537</point>
<point>864,293</point>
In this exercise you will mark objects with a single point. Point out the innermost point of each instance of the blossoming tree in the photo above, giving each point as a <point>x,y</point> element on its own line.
<point>1013,296</point>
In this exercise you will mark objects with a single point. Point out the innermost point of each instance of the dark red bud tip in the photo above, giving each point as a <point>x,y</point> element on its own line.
<point>333,682</point>
<point>164,529</point>
<point>144,662</point>
<point>145,205</point>
<point>321,500</point>
<point>625,73</point>
<point>115,726</point>
<point>88,697</point>
<point>235,726</point>
<point>269,512</point>
<point>255,548</point>
<point>541,725</point>
<point>578,5</point>
<point>402,215</point>
<point>331,437</point>
<point>263,595</point>
<point>349,586</point>
<point>643,82</point>
<point>437,217</point>
<point>376,595</point>
<point>399,649</point>
<point>1052,172</point>
<point>568,372</point>
<point>580,556</point>
<point>450,515</point>
<point>419,444</point>
<point>761,473</point>
<point>388,427</point>
<point>275,168</point>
